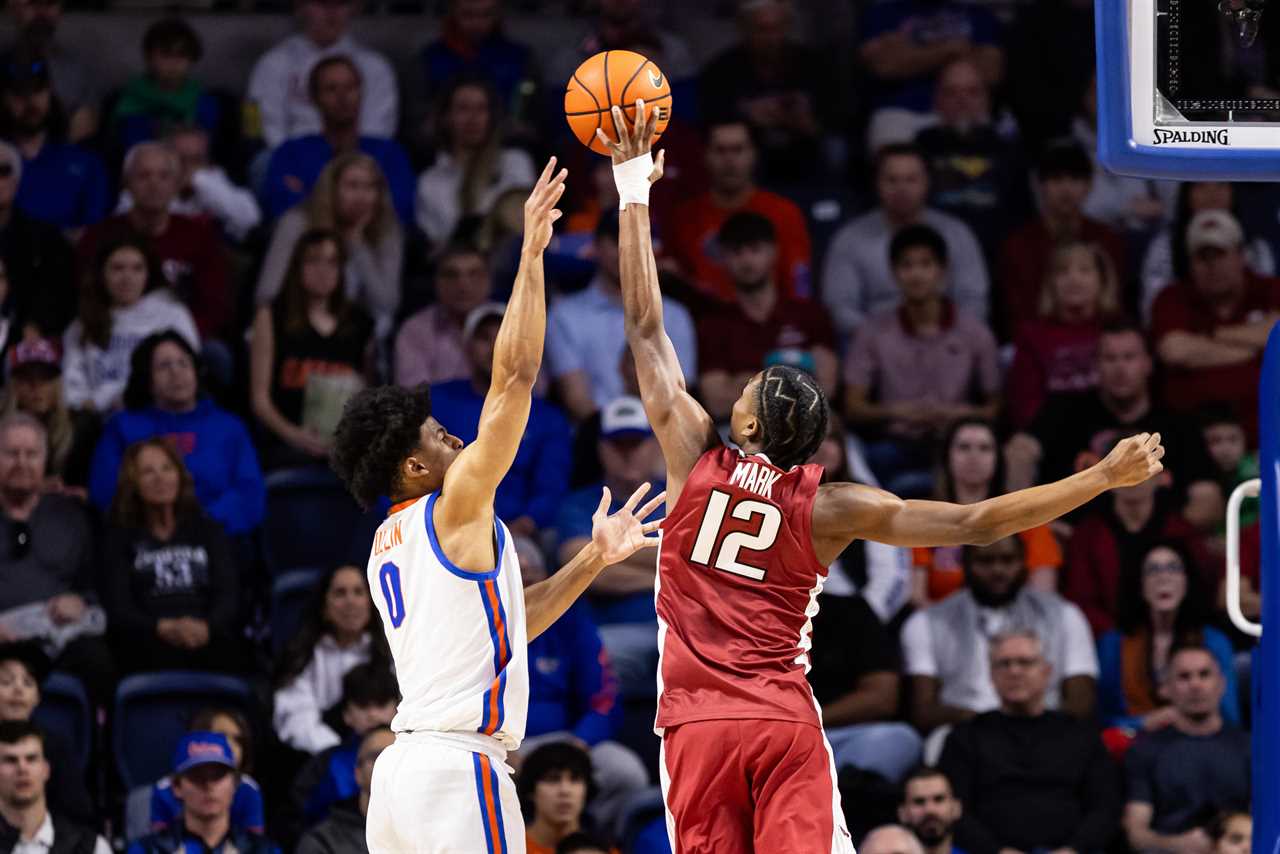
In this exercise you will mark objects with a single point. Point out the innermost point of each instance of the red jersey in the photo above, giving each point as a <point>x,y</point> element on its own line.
<point>738,584</point>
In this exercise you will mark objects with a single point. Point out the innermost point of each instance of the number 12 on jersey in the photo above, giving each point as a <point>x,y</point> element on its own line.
<point>711,549</point>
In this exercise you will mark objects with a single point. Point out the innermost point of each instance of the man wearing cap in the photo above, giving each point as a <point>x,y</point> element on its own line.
<point>762,323</point>
<point>27,825</point>
<point>74,82</point>
<point>39,265</point>
<point>205,780</point>
<point>530,495</point>
<point>623,596</point>
<point>62,183</point>
<point>343,832</point>
<point>1210,330</point>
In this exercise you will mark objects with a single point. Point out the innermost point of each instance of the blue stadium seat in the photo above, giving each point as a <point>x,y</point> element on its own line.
<point>64,708</point>
<point>289,595</point>
<point>310,519</point>
<point>151,714</point>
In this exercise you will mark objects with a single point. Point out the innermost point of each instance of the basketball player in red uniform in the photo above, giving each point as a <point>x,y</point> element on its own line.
<point>746,544</point>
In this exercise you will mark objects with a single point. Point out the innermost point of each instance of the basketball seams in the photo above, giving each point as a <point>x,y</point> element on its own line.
<point>591,137</point>
<point>622,96</point>
<point>608,94</point>
<point>647,102</point>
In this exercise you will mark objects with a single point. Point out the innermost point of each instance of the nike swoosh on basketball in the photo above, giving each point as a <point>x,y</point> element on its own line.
<point>655,78</point>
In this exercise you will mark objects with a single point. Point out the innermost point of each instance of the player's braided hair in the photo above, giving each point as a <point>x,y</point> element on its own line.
<point>380,427</point>
<point>793,415</point>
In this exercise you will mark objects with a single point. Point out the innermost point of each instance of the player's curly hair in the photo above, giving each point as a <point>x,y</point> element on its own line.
<point>380,427</point>
<point>793,413</point>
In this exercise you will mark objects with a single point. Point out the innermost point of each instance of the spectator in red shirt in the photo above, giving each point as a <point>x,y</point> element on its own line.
<point>731,164</point>
<point>915,369</point>
<point>189,248</point>
<point>1112,542</point>
<point>738,339</point>
<point>1210,330</point>
<point>1064,176</point>
<point>1057,352</point>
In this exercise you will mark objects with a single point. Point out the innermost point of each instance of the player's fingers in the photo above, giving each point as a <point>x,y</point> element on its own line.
<point>654,503</point>
<point>642,120</point>
<point>604,139</point>
<point>648,543</point>
<point>619,123</point>
<point>1153,441</point>
<point>555,214</point>
<point>650,527</point>
<point>1158,453</point>
<point>546,171</point>
<point>605,500</point>
<point>640,493</point>
<point>662,160</point>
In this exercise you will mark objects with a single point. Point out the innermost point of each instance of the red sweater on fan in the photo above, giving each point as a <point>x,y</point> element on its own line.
<point>1050,357</point>
<point>191,256</point>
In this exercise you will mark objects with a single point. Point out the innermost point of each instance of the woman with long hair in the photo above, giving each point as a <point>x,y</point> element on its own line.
<point>173,588</point>
<point>339,630</point>
<point>1162,607</point>
<point>350,198</point>
<point>972,470</point>
<point>124,301</point>
<point>1167,260</point>
<point>310,332</point>
<point>1057,352</point>
<point>472,168</point>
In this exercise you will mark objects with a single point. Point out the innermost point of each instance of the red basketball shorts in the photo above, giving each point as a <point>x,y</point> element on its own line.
<point>746,786</point>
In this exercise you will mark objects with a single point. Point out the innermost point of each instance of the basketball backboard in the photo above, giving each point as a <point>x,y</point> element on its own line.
<point>1182,89</point>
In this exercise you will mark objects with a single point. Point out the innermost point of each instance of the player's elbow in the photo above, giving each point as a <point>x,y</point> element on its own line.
<point>643,325</point>
<point>516,372</point>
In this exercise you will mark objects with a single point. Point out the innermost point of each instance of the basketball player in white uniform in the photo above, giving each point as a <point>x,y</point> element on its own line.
<point>446,582</point>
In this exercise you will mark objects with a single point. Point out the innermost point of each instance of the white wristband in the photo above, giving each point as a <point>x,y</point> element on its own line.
<point>631,177</point>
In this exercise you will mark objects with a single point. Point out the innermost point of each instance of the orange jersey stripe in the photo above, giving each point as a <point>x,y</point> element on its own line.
<point>490,800</point>
<point>495,690</point>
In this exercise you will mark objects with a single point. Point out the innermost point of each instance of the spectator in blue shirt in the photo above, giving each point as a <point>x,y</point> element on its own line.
<point>335,88</point>
<point>906,43</point>
<point>163,399</point>
<point>62,184</point>
<point>586,334</point>
<point>573,696</point>
<point>205,780</point>
<point>246,806</point>
<point>530,495</point>
<point>622,597</point>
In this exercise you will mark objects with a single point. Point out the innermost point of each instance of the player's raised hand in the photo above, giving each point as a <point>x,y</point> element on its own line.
<point>636,139</point>
<point>540,211</point>
<point>622,534</point>
<point>1133,460</point>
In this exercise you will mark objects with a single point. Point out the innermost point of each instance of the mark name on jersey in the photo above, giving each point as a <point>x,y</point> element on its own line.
<point>387,538</point>
<point>753,477</point>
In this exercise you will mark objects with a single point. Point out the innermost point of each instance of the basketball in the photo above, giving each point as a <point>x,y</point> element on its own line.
<point>608,78</point>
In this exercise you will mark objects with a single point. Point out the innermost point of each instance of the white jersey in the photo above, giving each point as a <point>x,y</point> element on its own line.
<point>457,637</point>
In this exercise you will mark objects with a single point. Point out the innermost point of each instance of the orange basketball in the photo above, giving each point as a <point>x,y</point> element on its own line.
<point>609,78</point>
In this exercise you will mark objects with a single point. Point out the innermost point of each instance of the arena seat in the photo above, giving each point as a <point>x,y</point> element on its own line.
<point>64,708</point>
<point>289,595</point>
<point>310,519</point>
<point>151,714</point>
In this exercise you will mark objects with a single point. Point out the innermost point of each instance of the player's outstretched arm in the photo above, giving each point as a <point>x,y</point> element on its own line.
<point>849,511</point>
<point>613,539</point>
<point>472,480</point>
<point>683,427</point>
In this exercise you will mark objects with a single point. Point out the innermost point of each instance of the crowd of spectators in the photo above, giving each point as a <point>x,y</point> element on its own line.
<point>194,281</point>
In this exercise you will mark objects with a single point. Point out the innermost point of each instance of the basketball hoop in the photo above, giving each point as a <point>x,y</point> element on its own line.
<point>1246,18</point>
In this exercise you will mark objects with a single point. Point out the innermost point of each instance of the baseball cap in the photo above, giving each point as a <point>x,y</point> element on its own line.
<point>624,418</point>
<point>479,315</point>
<point>202,748</point>
<point>36,357</point>
<point>25,75</point>
<point>1216,229</point>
